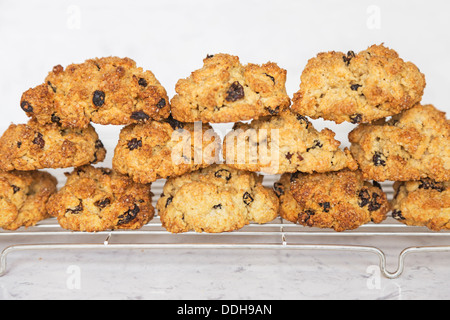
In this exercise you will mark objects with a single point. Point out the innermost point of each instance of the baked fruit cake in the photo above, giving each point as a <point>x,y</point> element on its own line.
<point>33,146</point>
<point>216,199</point>
<point>224,90</point>
<point>410,146</point>
<point>23,197</point>
<point>423,203</point>
<point>106,91</point>
<point>158,150</point>
<point>358,88</point>
<point>100,199</point>
<point>338,200</point>
<point>284,143</point>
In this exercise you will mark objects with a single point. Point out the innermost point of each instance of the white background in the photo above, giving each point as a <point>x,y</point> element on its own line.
<point>171,38</point>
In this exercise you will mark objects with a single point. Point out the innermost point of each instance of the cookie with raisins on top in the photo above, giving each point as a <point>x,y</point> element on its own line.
<point>224,90</point>
<point>286,143</point>
<point>338,200</point>
<point>358,88</point>
<point>23,196</point>
<point>422,203</point>
<point>161,149</point>
<point>33,146</point>
<point>106,91</point>
<point>100,199</point>
<point>216,199</point>
<point>410,146</point>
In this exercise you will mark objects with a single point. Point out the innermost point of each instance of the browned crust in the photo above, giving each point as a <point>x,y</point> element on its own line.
<point>340,200</point>
<point>411,146</point>
<point>205,95</point>
<point>108,90</point>
<point>374,84</point>
<point>99,199</point>
<point>423,203</point>
<point>23,196</point>
<point>33,146</point>
<point>152,151</point>
<point>299,147</point>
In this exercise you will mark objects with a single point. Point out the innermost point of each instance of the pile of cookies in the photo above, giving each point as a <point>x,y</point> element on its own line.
<point>217,186</point>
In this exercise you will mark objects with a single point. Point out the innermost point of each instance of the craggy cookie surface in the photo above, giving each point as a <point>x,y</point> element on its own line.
<point>284,143</point>
<point>410,146</point>
<point>99,199</point>
<point>358,88</point>
<point>32,146</point>
<point>158,150</point>
<point>105,91</point>
<point>339,200</point>
<point>216,199</point>
<point>23,196</point>
<point>423,203</point>
<point>226,91</point>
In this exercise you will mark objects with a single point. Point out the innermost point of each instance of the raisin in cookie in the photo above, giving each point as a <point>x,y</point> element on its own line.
<point>32,146</point>
<point>410,146</point>
<point>358,88</point>
<point>216,199</point>
<point>338,200</point>
<point>226,91</point>
<point>423,203</point>
<point>105,91</point>
<point>23,196</point>
<point>157,150</point>
<point>284,143</point>
<point>99,199</point>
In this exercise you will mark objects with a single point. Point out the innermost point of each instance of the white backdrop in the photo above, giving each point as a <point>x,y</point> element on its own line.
<point>171,38</point>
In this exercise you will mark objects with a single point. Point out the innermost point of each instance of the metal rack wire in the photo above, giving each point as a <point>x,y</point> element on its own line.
<point>277,235</point>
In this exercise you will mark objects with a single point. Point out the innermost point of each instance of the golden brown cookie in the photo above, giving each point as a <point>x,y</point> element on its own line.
<point>32,146</point>
<point>23,196</point>
<point>158,150</point>
<point>108,90</point>
<point>410,146</point>
<point>338,200</point>
<point>99,199</point>
<point>226,91</point>
<point>423,203</point>
<point>358,88</point>
<point>216,199</point>
<point>284,143</point>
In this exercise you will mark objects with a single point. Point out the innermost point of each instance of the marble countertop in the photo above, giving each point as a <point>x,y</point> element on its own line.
<point>222,274</point>
<point>210,274</point>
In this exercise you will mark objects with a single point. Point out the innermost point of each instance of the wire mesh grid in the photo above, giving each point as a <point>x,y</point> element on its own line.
<point>276,235</point>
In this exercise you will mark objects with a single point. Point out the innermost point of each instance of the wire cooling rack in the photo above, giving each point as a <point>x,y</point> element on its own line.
<point>277,235</point>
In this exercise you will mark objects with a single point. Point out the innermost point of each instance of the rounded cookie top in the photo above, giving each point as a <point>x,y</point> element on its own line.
<point>99,199</point>
<point>284,143</point>
<point>108,90</point>
<point>216,199</point>
<point>23,196</point>
<point>411,146</point>
<point>158,150</point>
<point>422,203</point>
<point>358,88</point>
<point>32,146</point>
<point>226,91</point>
<point>338,200</point>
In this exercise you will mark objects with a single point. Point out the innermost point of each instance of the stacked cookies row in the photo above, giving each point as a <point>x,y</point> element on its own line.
<point>321,185</point>
<point>397,139</point>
